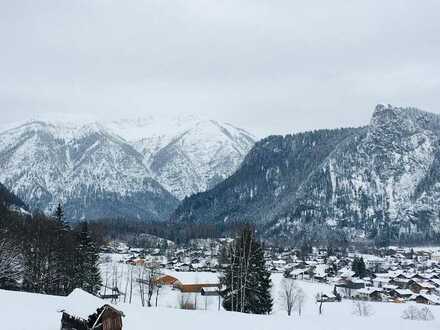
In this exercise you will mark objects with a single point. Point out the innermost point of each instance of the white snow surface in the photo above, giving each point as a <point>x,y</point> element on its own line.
<point>27,311</point>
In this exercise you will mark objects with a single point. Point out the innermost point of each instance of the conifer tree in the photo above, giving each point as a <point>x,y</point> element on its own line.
<point>64,259</point>
<point>88,276</point>
<point>246,278</point>
<point>358,267</point>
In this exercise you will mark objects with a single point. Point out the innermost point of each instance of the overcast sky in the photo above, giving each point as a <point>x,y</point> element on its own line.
<point>267,66</point>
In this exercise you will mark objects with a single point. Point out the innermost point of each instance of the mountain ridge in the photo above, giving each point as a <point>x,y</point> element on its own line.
<point>335,185</point>
<point>89,163</point>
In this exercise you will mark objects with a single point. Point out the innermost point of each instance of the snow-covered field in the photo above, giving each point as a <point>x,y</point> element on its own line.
<point>26,311</point>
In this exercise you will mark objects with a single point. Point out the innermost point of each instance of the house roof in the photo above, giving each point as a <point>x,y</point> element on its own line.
<point>404,292</point>
<point>82,304</point>
<point>423,284</point>
<point>428,297</point>
<point>166,280</point>
<point>197,278</point>
<point>298,271</point>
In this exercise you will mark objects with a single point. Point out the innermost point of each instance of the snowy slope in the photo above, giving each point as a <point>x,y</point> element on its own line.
<point>132,168</point>
<point>42,313</point>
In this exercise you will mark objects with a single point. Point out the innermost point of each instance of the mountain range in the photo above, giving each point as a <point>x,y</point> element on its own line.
<point>380,182</point>
<point>131,168</point>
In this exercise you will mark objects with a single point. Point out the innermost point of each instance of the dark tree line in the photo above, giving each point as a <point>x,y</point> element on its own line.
<point>48,255</point>
<point>180,233</point>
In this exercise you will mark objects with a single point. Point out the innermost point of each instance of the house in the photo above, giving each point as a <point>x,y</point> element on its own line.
<point>166,280</point>
<point>418,287</point>
<point>83,311</point>
<point>426,299</point>
<point>297,273</point>
<point>401,293</point>
<point>381,282</point>
<point>326,297</point>
<point>373,294</point>
<point>210,291</point>
<point>348,287</point>
<point>195,287</point>
<point>402,283</point>
<point>192,283</point>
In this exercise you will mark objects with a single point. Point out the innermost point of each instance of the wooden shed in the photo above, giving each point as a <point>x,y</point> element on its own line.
<point>84,311</point>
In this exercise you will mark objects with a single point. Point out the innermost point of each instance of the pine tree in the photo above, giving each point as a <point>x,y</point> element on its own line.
<point>362,269</point>
<point>59,214</point>
<point>358,267</point>
<point>88,276</point>
<point>354,265</point>
<point>246,279</point>
<point>64,260</point>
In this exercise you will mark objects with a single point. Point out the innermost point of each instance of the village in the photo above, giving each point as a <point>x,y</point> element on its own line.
<point>165,285</point>
<point>391,275</point>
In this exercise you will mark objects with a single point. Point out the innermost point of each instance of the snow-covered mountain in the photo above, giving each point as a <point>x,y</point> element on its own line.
<point>186,154</point>
<point>129,168</point>
<point>378,182</point>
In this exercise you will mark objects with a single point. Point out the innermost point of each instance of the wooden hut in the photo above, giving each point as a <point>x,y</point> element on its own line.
<point>84,311</point>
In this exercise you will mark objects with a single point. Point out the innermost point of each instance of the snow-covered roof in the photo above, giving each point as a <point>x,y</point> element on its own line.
<point>381,279</point>
<point>404,292</point>
<point>298,271</point>
<point>368,290</point>
<point>430,297</point>
<point>82,304</point>
<point>194,277</point>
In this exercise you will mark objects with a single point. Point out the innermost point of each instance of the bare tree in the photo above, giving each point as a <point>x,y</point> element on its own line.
<point>287,294</point>
<point>292,296</point>
<point>299,299</point>
<point>184,301</point>
<point>362,308</point>
<point>320,300</point>
<point>141,282</point>
<point>131,284</point>
<point>152,274</point>
<point>11,267</point>
<point>126,283</point>
<point>411,313</point>
<point>425,314</point>
<point>158,286</point>
<point>414,313</point>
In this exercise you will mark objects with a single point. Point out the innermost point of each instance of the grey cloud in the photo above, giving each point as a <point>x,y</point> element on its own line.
<point>268,66</point>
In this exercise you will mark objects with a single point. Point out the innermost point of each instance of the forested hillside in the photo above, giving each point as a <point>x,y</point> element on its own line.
<point>378,183</point>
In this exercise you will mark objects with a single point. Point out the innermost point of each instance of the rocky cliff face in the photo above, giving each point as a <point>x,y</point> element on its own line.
<point>378,182</point>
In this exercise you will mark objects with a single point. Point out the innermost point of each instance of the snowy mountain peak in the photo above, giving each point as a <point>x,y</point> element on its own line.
<point>409,119</point>
<point>149,162</point>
